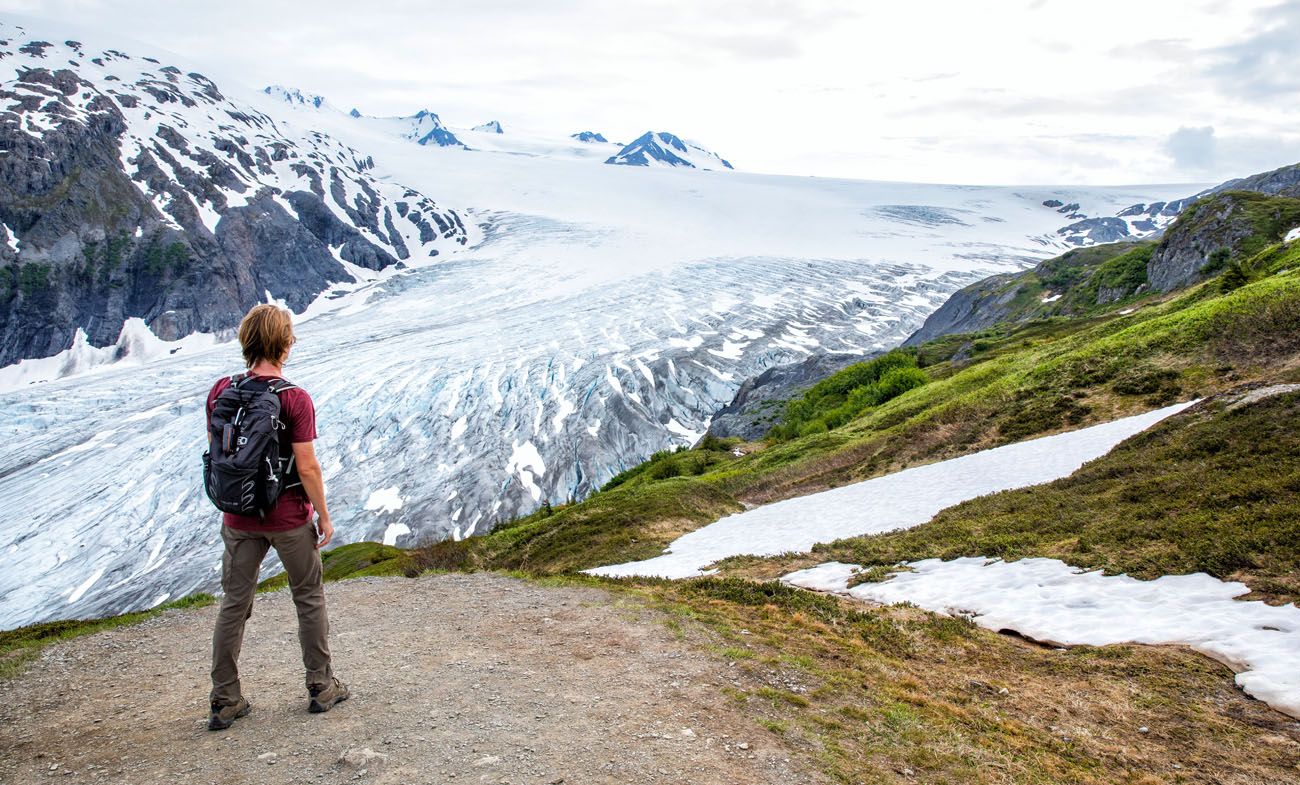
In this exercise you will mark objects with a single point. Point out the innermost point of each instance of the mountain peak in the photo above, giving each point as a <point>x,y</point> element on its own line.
<point>491,127</point>
<point>427,129</point>
<point>295,97</point>
<point>588,136</point>
<point>660,148</point>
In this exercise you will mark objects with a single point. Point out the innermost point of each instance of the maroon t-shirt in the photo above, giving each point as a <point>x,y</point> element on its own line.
<point>292,509</point>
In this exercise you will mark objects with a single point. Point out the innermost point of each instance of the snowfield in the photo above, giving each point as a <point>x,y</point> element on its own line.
<point>895,501</point>
<point>600,313</point>
<point>1050,601</point>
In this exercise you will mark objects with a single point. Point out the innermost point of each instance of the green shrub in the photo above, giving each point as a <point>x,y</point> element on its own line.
<point>1127,271</point>
<point>113,252</point>
<point>844,395</point>
<point>154,261</point>
<point>177,258</point>
<point>1234,277</point>
<point>1217,260</point>
<point>33,278</point>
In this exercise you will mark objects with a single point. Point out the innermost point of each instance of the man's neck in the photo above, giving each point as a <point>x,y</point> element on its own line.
<point>265,368</point>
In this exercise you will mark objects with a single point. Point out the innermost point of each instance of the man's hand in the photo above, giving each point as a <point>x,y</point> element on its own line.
<point>324,531</point>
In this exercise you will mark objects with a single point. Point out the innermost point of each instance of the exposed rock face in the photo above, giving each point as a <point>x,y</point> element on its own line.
<point>589,136</point>
<point>131,189</point>
<point>1227,220</point>
<point>1096,230</point>
<point>1284,181</point>
<point>1076,283</point>
<point>760,401</point>
<point>980,305</point>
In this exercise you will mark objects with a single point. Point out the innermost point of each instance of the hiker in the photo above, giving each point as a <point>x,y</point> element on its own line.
<point>245,421</point>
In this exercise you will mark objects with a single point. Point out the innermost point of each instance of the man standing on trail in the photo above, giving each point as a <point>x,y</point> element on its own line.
<point>266,335</point>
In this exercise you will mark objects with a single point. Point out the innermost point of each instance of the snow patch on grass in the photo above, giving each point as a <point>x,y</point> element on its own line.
<point>896,501</point>
<point>1053,602</point>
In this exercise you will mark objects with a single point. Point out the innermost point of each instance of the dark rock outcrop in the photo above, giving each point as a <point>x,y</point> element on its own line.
<point>980,305</point>
<point>760,401</point>
<point>1231,221</point>
<point>1283,181</point>
<point>1095,231</point>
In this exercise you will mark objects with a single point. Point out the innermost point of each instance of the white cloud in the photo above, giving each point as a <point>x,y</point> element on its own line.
<point>931,90</point>
<point>1192,148</point>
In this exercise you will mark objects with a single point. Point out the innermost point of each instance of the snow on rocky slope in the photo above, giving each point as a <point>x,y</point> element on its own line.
<point>602,313</point>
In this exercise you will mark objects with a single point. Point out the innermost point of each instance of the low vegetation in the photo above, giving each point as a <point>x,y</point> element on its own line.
<point>356,560</point>
<point>848,393</point>
<point>897,695</point>
<point>17,647</point>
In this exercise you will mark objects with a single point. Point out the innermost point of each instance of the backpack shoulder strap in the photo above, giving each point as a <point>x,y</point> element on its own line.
<point>280,385</point>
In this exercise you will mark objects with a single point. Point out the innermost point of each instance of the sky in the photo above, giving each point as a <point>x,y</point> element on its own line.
<point>1019,92</point>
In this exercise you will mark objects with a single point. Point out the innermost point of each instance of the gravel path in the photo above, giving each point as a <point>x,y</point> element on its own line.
<point>455,678</point>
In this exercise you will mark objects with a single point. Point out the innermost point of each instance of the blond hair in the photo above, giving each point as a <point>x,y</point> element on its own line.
<point>266,333</point>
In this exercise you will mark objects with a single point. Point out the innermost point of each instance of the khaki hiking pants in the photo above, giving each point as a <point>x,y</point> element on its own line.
<point>239,570</point>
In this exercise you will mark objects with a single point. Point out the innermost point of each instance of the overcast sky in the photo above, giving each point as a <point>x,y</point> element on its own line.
<point>966,92</point>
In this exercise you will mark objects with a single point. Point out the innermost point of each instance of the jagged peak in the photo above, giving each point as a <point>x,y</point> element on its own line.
<point>491,127</point>
<point>427,129</point>
<point>295,97</point>
<point>661,148</point>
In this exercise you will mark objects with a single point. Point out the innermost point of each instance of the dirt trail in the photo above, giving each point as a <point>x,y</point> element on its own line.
<point>455,678</point>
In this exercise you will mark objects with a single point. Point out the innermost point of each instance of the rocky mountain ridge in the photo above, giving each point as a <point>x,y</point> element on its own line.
<point>1229,221</point>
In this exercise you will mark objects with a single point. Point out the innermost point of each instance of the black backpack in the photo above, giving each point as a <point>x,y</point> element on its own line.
<point>249,460</point>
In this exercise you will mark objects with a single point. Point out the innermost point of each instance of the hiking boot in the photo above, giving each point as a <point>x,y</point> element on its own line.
<point>323,697</point>
<point>223,717</point>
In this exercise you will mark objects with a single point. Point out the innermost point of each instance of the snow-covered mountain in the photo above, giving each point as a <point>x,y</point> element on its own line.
<point>597,314</point>
<point>427,128</point>
<point>659,148</point>
<point>588,136</point>
<point>490,127</point>
<point>130,187</point>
